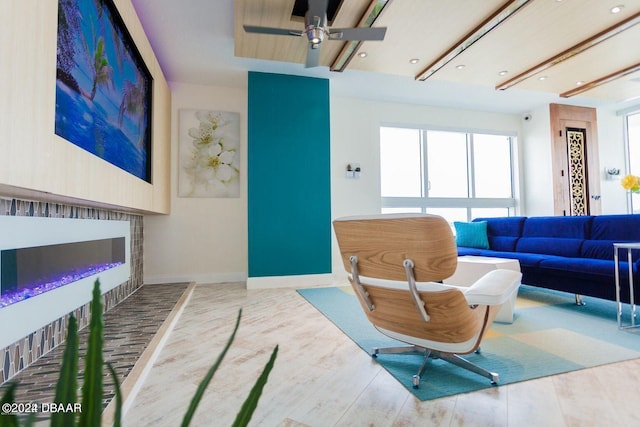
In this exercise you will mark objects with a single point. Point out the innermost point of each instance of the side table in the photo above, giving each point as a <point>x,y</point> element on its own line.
<point>616,259</point>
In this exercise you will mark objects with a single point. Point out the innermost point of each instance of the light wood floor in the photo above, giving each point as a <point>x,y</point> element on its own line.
<point>321,378</point>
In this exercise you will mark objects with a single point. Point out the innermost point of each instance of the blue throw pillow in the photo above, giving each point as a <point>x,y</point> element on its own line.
<point>472,234</point>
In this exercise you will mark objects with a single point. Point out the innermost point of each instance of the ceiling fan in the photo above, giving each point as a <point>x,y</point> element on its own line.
<point>315,23</point>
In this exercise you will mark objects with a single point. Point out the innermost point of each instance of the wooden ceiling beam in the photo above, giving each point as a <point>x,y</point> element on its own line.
<point>602,80</point>
<point>507,10</point>
<point>572,51</point>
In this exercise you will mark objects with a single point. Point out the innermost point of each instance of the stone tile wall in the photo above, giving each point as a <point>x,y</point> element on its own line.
<point>21,354</point>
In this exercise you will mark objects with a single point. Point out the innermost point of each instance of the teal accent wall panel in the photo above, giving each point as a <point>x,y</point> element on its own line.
<point>289,194</point>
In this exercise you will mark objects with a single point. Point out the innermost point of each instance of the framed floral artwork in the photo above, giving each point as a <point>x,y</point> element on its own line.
<point>209,160</point>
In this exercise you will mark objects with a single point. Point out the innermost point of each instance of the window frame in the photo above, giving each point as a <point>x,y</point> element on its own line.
<point>424,203</point>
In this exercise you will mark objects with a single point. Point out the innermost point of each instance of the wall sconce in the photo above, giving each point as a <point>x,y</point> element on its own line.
<point>353,170</point>
<point>611,173</point>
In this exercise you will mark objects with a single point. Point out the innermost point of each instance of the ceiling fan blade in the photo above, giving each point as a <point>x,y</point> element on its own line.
<point>313,56</point>
<point>317,8</point>
<point>373,33</point>
<point>273,31</point>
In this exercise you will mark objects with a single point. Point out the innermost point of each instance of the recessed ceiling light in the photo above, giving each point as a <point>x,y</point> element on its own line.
<point>616,9</point>
<point>362,54</point>
<point>579,83</point>
<point>541,78</point>
<point>414,60</point>
<point>503,73</point>
<point>460,67</point>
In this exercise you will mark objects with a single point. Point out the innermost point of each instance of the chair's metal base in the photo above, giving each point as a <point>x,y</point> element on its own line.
<point>433,354</point>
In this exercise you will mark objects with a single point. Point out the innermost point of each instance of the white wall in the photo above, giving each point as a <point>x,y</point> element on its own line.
<point>204,239</point>
<point>536,164</point>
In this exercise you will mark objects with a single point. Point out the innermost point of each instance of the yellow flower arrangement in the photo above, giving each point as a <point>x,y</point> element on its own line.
<point>631,183</point>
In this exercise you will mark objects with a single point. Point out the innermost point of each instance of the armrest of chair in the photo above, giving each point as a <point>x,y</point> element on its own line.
<point>494,288</point>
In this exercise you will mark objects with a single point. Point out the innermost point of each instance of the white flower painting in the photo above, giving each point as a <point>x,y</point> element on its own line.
<point>209,154</point>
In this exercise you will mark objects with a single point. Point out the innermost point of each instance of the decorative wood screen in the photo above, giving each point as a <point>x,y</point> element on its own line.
<point>577,156</point>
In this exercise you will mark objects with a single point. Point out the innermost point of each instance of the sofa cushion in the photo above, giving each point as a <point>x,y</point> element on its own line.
<point>586,268</point>
<point>504,226</point>
<point>503,243</point>
<point>471,234</point>
<point>572,227</point>
<point>503,232</point>
<point>597,249</point>
<point>550,246</point>
<point>621,228</point>
<point>529,260</point>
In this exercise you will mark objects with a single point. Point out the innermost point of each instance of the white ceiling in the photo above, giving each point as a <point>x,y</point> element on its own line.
<point>194,43</point>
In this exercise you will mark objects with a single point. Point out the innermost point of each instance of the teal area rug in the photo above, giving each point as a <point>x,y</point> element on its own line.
<point>550,335</point>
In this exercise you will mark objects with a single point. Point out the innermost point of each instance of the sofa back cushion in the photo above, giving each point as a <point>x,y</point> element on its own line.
<point>550,246</point>
<point>599,249</point>
<point>609,229</point>
<point>503,232</point>
<point>621,228</point>
<point>554,235</point>
<point>572,227</point>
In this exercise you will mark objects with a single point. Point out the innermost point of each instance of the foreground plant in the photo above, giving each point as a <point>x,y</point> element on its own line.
<point>90,409</point>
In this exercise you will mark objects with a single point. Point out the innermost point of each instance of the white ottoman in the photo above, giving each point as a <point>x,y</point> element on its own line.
<point>472,268</point>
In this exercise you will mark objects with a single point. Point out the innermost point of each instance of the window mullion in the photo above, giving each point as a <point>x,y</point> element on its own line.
<point>471,191</point>
<point>424,164</point>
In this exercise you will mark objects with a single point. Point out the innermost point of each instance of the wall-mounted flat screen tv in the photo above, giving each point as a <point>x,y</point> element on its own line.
<point>103,87</point>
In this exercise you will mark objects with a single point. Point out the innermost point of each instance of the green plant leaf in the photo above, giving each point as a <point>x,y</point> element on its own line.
<point>91,415</point>
<point>117,415</point>
<point>67,386</point>
<point>250,404</point>
<point>195,400</point>
<point>9,396</point>
<point>30,420</point>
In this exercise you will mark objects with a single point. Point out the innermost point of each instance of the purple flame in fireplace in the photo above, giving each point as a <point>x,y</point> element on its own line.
<point>31,271</point>
<point>34,289</point>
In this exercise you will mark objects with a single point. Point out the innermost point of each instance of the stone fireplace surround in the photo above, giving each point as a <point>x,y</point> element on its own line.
<point>17,356</point>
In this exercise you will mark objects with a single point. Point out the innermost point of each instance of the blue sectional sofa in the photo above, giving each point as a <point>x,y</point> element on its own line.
<point>569,253</point>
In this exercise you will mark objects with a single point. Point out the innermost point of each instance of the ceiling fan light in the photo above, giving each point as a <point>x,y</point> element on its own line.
<point>315,34</point>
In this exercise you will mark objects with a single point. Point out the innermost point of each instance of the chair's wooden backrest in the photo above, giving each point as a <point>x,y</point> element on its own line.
<point>381,243</point>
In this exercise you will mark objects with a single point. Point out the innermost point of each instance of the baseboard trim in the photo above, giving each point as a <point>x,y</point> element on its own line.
<point>196,278</point>
<point>300,281</point>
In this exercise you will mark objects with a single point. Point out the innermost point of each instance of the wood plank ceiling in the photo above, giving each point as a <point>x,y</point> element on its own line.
<point>566,47</point>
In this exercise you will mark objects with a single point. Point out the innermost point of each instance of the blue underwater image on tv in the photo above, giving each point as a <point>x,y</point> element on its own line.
<point>103,88</point>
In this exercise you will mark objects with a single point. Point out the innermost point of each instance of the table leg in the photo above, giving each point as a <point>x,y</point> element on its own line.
<point>631,299</point>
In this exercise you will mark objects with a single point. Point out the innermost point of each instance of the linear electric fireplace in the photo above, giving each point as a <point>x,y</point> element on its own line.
<point>27,272</point>
<point>48,267</point>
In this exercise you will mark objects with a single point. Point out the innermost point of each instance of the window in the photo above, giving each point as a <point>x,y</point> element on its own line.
<point>457,175</point>
<point>633,144</point>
